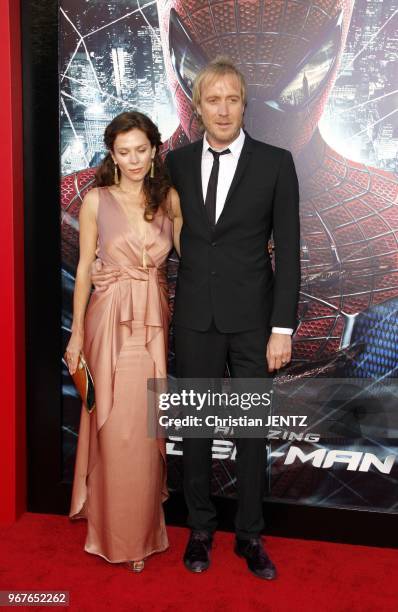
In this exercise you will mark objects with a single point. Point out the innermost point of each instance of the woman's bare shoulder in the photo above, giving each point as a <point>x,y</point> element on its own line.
<point>91,201</point>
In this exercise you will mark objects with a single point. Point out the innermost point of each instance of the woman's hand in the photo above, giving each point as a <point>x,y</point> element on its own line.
<point>73,351</point>
<point>100,279</point>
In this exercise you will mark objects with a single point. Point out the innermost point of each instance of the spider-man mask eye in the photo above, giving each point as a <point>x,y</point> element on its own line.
<point>186,55</point>
<point>309,75</point>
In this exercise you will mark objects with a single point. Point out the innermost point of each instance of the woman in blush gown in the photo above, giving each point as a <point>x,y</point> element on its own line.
<point>128,221</point>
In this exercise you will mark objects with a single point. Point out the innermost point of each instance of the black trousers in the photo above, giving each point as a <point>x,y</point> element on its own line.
<point>204,355</point>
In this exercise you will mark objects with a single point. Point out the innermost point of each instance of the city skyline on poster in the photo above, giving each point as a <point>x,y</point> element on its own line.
<point>118,65</point>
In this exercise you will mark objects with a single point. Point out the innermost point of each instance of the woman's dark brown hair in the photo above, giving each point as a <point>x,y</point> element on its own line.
<point>155,189</point>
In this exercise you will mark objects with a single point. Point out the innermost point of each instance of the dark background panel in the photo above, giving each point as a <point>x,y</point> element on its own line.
<point>42,247</point>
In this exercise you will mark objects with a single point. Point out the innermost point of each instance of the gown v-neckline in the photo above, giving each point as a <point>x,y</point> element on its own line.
<point>142,239</point>
<point>133,229</point>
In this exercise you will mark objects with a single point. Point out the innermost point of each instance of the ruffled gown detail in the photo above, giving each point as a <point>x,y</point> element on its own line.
<point>120,472</point>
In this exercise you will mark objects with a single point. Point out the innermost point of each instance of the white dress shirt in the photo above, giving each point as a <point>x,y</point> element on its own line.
<point>228,164</point>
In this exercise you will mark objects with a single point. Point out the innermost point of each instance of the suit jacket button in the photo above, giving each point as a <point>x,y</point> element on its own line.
<point>213,272</point>
<point>214,244</point>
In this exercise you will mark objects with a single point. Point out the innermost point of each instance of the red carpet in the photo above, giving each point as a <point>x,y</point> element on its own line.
<point>45,552</point>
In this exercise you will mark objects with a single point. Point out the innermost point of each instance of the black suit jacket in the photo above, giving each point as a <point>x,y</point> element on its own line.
<point>225,272</point>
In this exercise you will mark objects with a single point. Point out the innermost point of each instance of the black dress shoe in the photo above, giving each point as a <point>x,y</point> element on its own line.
<point>196,557</point>
<point>257,559</point>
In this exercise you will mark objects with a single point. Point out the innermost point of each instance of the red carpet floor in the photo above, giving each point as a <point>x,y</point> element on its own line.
<point>45,552</point>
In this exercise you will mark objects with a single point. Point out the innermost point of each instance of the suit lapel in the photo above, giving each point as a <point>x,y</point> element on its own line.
<point>197,170</point>
<point>244,159</point>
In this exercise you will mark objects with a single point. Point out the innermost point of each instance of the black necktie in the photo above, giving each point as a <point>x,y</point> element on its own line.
<point>211,195</point>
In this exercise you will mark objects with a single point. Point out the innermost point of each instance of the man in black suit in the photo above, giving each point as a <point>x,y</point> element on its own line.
<point>230,306</point>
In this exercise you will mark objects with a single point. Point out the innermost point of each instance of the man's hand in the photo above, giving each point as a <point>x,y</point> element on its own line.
<point>100,279</point>
<point>279,351</point>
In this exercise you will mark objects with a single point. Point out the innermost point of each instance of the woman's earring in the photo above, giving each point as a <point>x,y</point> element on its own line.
<point>152,174</point>
<point>116,176</point>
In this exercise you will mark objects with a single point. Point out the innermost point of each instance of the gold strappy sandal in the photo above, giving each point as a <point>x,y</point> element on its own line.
<point>136,566</point>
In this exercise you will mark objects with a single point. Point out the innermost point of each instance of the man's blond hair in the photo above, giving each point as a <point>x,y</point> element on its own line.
<point>220,66</point>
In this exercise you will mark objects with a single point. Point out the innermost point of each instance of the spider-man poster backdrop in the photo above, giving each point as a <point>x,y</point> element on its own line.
<point>322,81</point>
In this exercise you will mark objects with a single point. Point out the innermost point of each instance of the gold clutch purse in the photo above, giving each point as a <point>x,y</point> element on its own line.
<point>84,383</point>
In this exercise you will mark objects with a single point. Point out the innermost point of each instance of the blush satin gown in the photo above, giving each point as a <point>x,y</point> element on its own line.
<point>120,473</point>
